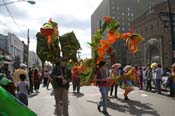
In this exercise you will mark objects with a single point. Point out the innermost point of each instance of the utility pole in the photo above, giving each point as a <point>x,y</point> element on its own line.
<point>172,30</point>
<point>28,41</point>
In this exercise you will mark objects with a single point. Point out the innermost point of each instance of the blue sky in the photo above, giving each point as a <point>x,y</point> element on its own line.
<point>71,15</point>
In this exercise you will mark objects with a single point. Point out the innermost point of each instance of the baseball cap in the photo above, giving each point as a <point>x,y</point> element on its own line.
<point>23,65</point>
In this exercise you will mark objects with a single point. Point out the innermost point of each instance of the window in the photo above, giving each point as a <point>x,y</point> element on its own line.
<point>100,25</point>
<point>158,24</point>
<point>112,2</point>
<point>123,18</point>
<point>128,14</point>
<point>146,29</point>
<point>151,27</point>
<point>113,7</point>
<point>123,13</point>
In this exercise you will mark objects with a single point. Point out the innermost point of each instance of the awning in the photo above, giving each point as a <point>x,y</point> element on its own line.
<point>5,58</point>
<point>6,62</point>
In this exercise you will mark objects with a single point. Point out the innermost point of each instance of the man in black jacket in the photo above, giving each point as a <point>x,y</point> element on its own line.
<point>61,76</point>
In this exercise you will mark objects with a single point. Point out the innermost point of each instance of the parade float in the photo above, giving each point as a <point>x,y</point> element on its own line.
<point>50,46</point>
<point>101,47</point>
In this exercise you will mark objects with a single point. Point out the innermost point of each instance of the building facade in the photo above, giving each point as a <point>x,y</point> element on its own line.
<point>3,42</point>
<point>125,11</point>
<point>14,46</point>
<point>157,46</point>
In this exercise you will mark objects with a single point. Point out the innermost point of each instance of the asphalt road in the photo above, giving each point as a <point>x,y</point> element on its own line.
<point>141,103</point>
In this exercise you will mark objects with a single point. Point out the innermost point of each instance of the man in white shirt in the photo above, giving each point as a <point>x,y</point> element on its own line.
<point>158,78</point>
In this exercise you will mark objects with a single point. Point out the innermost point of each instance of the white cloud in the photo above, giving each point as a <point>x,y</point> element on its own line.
<point>71,15</point>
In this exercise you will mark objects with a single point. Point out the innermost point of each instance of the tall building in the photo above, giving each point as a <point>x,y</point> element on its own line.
<point>155,27</point>
<point>125,11</point>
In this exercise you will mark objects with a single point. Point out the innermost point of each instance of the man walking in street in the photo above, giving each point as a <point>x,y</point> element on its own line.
<point>61,76</point>
<point>101,81</point>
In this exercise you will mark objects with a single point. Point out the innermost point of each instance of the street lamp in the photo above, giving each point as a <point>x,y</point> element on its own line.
<point>29,1</point>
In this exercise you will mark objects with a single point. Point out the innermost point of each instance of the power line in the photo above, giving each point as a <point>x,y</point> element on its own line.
<point>13,18</point>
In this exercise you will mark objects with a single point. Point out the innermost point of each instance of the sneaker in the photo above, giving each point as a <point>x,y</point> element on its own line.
<point>51,93</point>
<point>126,98</point>
<point>106,113</point>
<point>116,97</point>
<point>98,107</point>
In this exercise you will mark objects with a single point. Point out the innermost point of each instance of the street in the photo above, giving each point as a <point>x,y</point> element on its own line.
<point>141,103</point>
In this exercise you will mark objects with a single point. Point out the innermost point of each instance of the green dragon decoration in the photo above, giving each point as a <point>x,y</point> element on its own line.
<point>48,41</point>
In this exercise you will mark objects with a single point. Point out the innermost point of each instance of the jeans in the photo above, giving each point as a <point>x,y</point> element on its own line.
<point>158,85</point>
<point>104,94</point>
<point>23,98</point>
<point>172,88</point>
